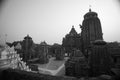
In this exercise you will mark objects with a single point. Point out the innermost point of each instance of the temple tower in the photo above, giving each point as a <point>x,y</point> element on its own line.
<point>91,29</point>
<point>27,45</point>
<point>71,40</point>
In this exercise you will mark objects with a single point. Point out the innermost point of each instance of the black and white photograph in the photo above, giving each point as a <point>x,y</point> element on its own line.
<point>59,39</point>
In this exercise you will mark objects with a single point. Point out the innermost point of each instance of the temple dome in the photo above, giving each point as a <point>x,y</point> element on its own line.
<point>27,37</point>
<point>90,14</point>
<point>43,43</point>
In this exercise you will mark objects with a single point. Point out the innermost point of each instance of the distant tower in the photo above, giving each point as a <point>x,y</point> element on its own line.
<point>91,29</point>
<point>27,46</point>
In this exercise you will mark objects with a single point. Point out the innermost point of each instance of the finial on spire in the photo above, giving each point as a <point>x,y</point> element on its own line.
<point>89,8</point>
<point>27,34</point>
<point>72,26</point>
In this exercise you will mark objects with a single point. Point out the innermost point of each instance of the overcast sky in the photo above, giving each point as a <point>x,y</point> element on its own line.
<point>51,20</point>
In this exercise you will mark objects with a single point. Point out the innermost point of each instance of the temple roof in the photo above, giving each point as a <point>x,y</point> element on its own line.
<point>90,14</point>
<point>43,43</point>
<point>99,42</point>
<point>73,31</point>
<point>27,37</point>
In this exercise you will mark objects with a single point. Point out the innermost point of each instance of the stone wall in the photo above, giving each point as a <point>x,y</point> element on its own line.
<point>10,74</point>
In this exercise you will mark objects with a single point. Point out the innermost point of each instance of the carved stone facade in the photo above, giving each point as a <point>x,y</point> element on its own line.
<point>43,52</point>
<point>100,59</point>
<point>96,60</point>
<point>27,46</point>
<point>91,29</point>
<point>77,65</point>
<point>71,40</point>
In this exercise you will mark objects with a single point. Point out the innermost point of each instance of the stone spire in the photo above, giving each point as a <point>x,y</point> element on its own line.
<point>91,29</point>
<point>73,31</point>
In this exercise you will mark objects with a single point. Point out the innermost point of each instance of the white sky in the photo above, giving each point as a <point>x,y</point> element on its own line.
<point>51,20</point>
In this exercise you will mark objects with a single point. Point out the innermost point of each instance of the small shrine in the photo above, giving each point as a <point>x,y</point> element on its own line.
<point>43,52</point>
<point>77,65</point>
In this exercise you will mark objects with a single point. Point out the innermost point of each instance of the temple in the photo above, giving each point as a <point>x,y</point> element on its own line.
<point>91,29</point>
<point>83,55</point>
<point>71,40</point>
<point>89,42</point>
